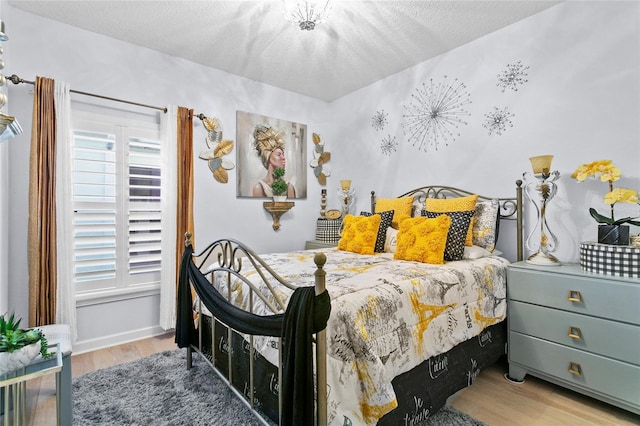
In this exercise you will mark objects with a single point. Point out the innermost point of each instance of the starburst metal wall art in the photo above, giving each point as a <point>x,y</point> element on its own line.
<point>498,120</point>
<point>435,112</point>
<point>389,145</point>
<point>379,120</point>
<point>512,76</point>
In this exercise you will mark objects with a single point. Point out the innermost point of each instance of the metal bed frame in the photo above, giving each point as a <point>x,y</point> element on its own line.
<point>230,255</point>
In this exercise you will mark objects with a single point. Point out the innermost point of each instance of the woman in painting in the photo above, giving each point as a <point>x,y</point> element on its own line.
<point>270,148</point>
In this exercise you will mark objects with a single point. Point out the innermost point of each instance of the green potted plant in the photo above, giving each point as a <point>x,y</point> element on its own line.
<point>19,347</point>
<point>279,187</point>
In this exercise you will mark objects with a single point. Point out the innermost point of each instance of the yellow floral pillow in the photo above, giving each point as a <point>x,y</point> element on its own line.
<point>448,205</point>
<point>402,208</point>
<point>359,233</point>
<point>422,239</point>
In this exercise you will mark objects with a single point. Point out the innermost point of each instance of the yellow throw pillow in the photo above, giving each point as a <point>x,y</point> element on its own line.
<point>422,239</point>
<point>402,208</point>
<point>359,233</point>
<point>447,205</point>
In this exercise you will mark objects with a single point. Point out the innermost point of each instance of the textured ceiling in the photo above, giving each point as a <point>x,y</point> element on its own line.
<point>361,42</point>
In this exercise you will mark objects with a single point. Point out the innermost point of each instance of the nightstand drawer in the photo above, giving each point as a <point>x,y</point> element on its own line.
<point>590,295</point>
<point>612,378</point>
<point>603,337</point>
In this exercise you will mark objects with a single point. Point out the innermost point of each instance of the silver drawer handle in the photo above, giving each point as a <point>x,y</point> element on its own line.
<point>575,333</point>
<point>575,296</point>
<point>575,369</point>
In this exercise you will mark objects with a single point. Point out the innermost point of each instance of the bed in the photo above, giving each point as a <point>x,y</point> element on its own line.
<point>397,338</point>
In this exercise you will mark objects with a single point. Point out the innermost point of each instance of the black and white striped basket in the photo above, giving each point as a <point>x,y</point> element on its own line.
<point>328,230</point>
<point>620,261</point>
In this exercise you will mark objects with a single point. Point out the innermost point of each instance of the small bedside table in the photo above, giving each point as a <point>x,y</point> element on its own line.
<point>576,329</point>
<point>14,388</point>
<point>312,244</point>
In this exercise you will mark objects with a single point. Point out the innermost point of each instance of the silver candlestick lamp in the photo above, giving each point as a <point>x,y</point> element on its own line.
<point>346,195</point>
<point>541,188</point>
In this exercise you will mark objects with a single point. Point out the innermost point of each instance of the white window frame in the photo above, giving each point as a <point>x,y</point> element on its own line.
<point>124,285</point>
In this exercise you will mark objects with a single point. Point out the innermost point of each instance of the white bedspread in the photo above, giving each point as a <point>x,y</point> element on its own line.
<point>387,317</point>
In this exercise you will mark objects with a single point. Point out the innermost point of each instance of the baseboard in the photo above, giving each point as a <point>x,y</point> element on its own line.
<point>116,339</point>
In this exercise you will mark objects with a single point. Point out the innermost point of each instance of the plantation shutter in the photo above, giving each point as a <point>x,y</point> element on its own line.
<point>117,205</point>
<point>144,206</point>
<point>94,198</point>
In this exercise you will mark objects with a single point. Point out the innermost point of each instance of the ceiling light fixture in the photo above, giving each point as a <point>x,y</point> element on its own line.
<point>306,13</point>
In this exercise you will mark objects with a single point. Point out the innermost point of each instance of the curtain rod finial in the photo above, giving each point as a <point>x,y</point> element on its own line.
<point>15,79</point>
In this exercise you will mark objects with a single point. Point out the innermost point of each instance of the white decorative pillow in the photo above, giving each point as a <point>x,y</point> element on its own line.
<point>417,208</point>
<point>476,252</point>
<point>391,240</point>
<point>485,224</point>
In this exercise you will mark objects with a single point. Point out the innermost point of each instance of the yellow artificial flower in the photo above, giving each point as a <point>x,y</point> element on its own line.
<point>607,172</point>
<point>581,173</point>
<point>610,174</point>
<point>605,168</point>
<point>621,195</point>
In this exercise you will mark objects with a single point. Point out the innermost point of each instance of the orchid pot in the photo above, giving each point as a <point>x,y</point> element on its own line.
<point>613,234</point>
<point>611,230</point>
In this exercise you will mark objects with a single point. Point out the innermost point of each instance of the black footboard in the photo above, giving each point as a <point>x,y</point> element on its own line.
<point>266,383</point>
<point>420,392</point>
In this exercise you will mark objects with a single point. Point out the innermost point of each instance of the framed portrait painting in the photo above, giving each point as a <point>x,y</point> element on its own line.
<point>264,144</point>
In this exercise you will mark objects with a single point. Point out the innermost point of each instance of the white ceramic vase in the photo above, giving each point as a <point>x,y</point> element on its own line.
<point>12,361</point>
<point>279,198</point>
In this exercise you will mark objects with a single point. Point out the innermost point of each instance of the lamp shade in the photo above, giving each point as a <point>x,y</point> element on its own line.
<point>541,163</point>
<point>345,184</point>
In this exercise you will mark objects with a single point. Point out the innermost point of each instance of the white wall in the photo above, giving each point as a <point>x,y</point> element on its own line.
<point>4,220</point>
<point>581,104</point>
<point>4,228</point>
<point>97,64</point>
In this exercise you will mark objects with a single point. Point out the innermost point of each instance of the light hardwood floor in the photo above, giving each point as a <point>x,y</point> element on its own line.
<point>491,399</point>
<point>496,401</point>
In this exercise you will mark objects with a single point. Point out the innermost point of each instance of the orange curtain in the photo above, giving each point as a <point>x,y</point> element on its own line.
<point>184,219</point>
<point>42,206</point>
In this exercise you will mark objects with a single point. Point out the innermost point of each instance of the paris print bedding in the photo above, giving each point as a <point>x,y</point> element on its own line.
<point>387,317</point>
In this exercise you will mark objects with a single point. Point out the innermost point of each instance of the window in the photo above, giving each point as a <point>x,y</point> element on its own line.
<point>116,200</point>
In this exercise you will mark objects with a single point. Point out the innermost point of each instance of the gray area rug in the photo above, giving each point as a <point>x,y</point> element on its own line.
<point>159,390</point>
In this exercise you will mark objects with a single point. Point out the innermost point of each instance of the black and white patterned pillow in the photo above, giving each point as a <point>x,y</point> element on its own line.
<point>457,234</point>
<point>385,222</point>
<point>485,224</point>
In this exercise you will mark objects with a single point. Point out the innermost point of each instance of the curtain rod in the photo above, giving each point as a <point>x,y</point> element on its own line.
<point>17,80</point>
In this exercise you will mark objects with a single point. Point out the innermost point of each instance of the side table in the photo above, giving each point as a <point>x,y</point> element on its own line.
<point>14,385</point>
<point>61,334</point>
<point>576,329</point>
